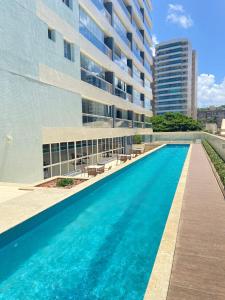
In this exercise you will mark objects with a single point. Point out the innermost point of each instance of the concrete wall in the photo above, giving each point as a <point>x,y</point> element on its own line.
<point>176,136</point>
<point>217,142</point>
<point>27,104</point>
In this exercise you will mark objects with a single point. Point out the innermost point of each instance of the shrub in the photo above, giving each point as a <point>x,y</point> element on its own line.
<point>63,182</point>
<point>218,162</point>
<point>137,139</point>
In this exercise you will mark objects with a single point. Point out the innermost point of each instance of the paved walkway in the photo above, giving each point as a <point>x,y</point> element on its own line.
<point>198,271</point>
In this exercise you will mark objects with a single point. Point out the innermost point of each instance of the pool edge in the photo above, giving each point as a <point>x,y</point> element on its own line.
<point>158,284</point>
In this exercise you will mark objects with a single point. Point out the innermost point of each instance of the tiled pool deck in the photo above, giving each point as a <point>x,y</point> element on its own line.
<point>198,271</point>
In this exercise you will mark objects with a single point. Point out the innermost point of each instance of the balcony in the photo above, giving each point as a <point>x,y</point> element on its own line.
<point>138,124</point>
<point>92,79</point>
<point>129,71</point>
<point>120,93</point>
<point>129,97</point>
<point>139,34</point>
<point>138,8</point>
<point>147,67</point>
<point>148,125</point>
<point>147,9</point>
<point>148,29</point>
<point>120,61</point>
<point>139,57</point>
<point>124,8</point>
<point>137,30</point>
<point>97,121</point>
<point>122,35</point>
<point>138,79</point>
<point>100,5</point>
<point>123,123</point>
<point>92,38</point>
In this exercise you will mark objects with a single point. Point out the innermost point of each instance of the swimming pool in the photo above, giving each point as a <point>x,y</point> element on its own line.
<point>100,243</point>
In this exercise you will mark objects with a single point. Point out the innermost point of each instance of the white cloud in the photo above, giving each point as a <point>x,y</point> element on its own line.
<point>154,43</point>
<point>177,15</point>
<point>209,91</point>
<point>176,7</point>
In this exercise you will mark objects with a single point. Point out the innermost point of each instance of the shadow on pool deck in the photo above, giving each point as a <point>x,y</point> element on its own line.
<point>198,271</point>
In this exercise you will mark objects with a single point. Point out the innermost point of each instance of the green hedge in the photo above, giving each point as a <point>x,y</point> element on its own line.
<point>218,162</point>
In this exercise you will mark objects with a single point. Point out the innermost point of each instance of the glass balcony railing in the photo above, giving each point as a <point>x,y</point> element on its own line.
<point>120,62</point>
<point>100,5</point>
<point>120,93</point>
<point>147,10</point>
<point>129,71</point>
<point>138,31</point>
<point>92,79</point>
<point>97,121</point>
<point>147,67</point>
<point>147,28</point>
<point>138,124</point>
<point>138,55</point>
<point>137,77</point>
<point>124,8</point>
<point>123,123</point>
<point>139,34</point>
<point>148,125</point>
<point>129,97</point>
<point>94,40</point>
<point>138,8</point>
<point>122,35</point>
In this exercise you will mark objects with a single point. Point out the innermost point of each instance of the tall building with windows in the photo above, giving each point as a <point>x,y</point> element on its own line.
<point>175,78</point>
<point>75,83</point>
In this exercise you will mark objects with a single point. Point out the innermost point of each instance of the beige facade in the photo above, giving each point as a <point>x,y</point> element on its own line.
<point>81,74</point>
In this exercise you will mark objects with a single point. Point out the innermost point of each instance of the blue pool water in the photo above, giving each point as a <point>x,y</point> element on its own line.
<point>102,243</point>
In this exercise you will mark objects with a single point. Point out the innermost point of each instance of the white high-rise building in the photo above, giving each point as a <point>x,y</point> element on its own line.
<point>75,83</point>
<point>175,78</point>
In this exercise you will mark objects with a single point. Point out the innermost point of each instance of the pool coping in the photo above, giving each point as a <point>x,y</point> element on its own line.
<point>159,280</point>
<point>57,195</point>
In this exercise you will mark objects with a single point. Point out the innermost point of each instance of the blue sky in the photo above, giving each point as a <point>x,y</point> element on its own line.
<point>203,22</point>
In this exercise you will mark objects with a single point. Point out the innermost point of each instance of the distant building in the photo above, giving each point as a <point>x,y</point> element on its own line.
<point>212,114</point>
<point>175,78</point>
<point>211,127</point>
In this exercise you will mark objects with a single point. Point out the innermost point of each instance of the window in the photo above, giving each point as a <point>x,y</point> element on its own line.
<point>55,153</point>
<point>51,34</point>
<point>63,151</point>
<point>68,3</point>
<point>67,157</point>
<point>46,155</point>
<point>68,50</point>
